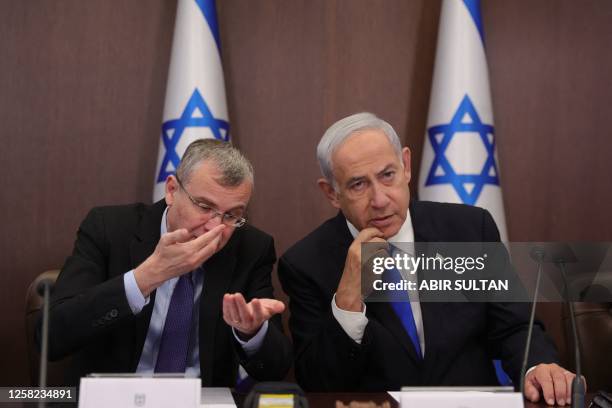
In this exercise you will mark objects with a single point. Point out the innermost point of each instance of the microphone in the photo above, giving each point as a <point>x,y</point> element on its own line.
<point>44,288</point>
<point>538,254</point>
<point>558,254</point>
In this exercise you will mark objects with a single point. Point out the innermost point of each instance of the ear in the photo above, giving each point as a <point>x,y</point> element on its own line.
<point>406,161</point>
<point>172,187</point>
<point>329,191</point>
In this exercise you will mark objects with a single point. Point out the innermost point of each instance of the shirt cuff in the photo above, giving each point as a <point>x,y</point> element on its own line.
<point>251,346</point>
<point>353,323</point>
<point>133,293</point>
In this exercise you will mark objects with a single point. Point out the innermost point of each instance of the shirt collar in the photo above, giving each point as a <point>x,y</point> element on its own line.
<point>163,228</point>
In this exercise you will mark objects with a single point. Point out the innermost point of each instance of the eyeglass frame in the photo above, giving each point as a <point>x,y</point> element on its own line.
<point>240,221</point>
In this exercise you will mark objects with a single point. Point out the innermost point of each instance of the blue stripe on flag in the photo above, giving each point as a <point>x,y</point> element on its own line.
<point>473,7</point>
<point>210,14</point>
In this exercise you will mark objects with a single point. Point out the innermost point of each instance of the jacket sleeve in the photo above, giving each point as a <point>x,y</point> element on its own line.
<point>326,358</point>
<point>273,359</point>
<point>85,303</point>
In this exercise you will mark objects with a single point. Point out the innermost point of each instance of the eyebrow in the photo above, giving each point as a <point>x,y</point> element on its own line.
<point>354,180</point>
<point>387,168</point>
<point>212,204</point>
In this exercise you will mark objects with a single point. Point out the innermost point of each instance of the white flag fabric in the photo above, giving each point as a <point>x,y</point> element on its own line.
<point>459,163</point>
<point>195,105</point>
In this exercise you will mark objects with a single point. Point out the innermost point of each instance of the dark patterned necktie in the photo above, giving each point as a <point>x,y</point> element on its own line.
<point>174,344</point>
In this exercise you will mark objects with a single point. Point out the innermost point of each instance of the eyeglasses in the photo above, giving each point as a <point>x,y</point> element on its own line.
<point>228,219</point>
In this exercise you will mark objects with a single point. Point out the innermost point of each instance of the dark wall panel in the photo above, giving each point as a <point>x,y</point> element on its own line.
<point>81,95</point>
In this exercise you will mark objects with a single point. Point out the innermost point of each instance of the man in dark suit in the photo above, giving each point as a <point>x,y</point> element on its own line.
<point>342,344</point>
<point>182,285</point>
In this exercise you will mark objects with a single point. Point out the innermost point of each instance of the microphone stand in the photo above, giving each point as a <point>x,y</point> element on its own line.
<point>44,289</point>
<point>536,254</point>
<point>578,389</point>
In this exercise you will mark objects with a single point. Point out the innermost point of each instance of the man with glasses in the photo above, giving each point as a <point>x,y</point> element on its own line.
<point>181,286</point>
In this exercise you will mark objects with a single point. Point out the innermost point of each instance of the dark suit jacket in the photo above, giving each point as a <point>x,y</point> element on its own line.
<point>90,316</point>
<point>461,339</point>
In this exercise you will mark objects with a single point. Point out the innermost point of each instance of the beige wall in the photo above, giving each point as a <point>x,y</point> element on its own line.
<point>81,96</point>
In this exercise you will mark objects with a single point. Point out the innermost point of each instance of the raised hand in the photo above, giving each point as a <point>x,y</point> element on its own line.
<point>247,318</point>
<point>348,294</point>
<point>176,253</point>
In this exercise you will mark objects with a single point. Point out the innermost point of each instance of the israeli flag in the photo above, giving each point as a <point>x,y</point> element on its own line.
<point>195,105</point>
<point>459,163</point>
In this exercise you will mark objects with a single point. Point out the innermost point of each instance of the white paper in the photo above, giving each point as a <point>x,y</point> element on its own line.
<point>117,392</point>
<point>395,395</point>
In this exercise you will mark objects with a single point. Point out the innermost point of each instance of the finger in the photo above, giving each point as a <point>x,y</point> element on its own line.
<point>244,310</point>
<point>544,378</point>
<point>367,234</point>
<point>207,237</point>
<point>559,385</point>
<point>532,391</point>
<point>233,312</point>
<point>569,377</point>
<point>259,315</point>
<point>272,307</point>
<point>207,251</point>
<point>176,236</point>
<point>226,308</point>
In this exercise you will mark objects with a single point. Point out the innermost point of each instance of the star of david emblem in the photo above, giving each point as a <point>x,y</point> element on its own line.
<point>468,185</point>
<point>196,114</point>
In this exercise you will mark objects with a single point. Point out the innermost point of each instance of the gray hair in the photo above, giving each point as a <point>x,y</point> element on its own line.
<point>234,166</point>
<point>343,129</point>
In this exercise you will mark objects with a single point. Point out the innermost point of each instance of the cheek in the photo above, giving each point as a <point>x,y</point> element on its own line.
<point>226,235</point>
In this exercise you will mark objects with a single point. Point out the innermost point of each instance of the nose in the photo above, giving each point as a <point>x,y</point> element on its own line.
<point>213,221</point>
<point>379,197</point>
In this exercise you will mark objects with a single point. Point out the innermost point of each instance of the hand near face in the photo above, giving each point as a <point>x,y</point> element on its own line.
<point>348,294</point>
<point>247,318</point>
<point>176,253</point>
<point>552,382</point>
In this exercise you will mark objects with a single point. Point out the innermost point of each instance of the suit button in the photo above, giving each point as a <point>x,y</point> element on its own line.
<point>260,365</point>
<point>114,313</point>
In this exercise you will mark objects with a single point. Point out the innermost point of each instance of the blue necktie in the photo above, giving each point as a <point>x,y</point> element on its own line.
<point>174,343</point>
<point>403,310</point>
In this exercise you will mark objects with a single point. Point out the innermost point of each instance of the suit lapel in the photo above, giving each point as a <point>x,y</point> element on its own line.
<point>424,232</point>
<point>141,247</point>
<point>218,273</point>
<point>386,316</point>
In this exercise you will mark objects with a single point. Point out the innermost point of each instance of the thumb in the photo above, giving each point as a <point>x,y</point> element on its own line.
<point>273,306</point>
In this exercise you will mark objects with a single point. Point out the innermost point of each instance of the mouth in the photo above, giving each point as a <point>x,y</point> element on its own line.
<point>381,222</point>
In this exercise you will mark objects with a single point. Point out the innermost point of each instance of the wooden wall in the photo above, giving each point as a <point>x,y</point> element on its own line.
<point>82,87</point>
